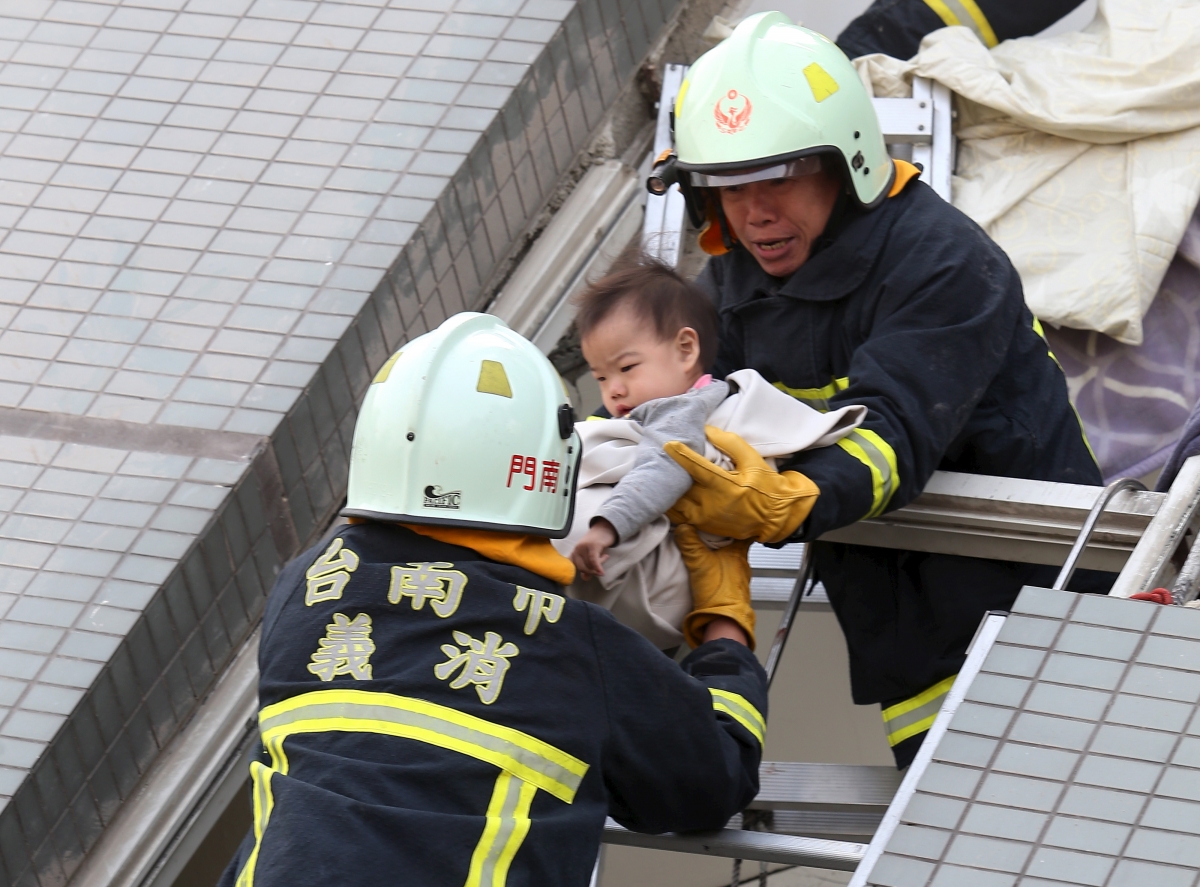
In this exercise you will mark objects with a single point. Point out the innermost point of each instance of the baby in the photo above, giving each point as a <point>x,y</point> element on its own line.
<point>648,337</point>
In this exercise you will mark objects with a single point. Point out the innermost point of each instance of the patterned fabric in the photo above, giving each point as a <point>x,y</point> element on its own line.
<point>1134,400</point>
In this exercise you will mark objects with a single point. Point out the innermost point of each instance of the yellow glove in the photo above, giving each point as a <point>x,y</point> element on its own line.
<point>750,502</point>
<point>720,584</point>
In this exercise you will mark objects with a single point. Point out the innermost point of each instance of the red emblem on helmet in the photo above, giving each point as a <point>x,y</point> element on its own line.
<point>732,112</point>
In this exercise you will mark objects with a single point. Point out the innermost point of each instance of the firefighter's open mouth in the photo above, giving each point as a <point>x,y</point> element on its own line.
<point>772,246</point>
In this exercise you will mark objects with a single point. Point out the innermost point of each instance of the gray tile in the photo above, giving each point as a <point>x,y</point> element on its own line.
<point>1166,847</point>
<point>1163,683</point>
<point>1004,822</point>
<point>900,871</point>
<point>1170,652</point>
<point>1018,791</point>
<point>1067,865</point>
<point>1132,873</point>
<point>918,841</point>
<point>1114,612</point>
<point>1178,621</point>
<point>997,690</point>
<point>36,726</point>
<point>961,748</point>
<point>926,809</point>
<point>1102,803</point>
<point>1088,835</point>
<point>1083,671</point>
<point>1029,760</point>
<point>1073,702</point>
<point>954,875</point>
<point>1119,773</point>
<point>1178,782</point>
<point>984,720</point>
<point>1130,742</point>
<point>944,779</point>
<point>1157,714</point>
<point>1163,813</point>
<point>992,853</point>
<point>1094,641</point>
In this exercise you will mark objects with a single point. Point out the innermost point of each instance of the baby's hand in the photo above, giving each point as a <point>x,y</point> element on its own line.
<point>591,551</point>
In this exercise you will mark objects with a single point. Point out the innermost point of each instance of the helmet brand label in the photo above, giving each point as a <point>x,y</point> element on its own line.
<point>435,497</point>
<point>732,112</point>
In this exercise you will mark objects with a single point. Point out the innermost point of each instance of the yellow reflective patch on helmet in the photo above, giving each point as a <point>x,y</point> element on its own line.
<point>493,379</point>
<point>386,369</point>
<point>683,88</point>
<point>819,81</point>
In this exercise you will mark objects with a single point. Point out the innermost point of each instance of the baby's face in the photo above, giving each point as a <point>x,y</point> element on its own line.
<point>633,365</point>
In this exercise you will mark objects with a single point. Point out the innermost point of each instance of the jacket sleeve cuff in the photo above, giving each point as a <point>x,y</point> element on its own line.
<point>845,485</point>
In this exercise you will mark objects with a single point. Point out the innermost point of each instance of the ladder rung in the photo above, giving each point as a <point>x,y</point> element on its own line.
<point>762,846</point>
<point>775,561</point>
<point>835,825</point>
<point>769,593</point>
<point>786,785</point>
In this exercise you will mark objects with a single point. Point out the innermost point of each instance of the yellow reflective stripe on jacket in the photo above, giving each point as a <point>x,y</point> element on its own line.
<point>966,13</point>
<point>361,711</point>
<point>1037,328</point>
<point>264,803</point>
<point>915,715</point>
<point>817,398</point>
<point>740,709</point>
<point>866,446</point>
<point>877,454</point>
<point>507,824</point>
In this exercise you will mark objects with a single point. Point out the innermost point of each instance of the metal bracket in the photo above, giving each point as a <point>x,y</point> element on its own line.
<point>662,231</point>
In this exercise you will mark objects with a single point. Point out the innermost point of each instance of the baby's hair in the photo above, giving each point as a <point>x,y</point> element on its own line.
<point>657,294</point>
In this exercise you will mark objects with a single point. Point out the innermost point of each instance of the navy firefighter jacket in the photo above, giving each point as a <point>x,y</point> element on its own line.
<point>915,313</point>
<point>433,717</point>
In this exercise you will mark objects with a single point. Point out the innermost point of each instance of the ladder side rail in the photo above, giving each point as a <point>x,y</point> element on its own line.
<point>739,844</point>
<point>943,144</point>
<point>1150,563</point>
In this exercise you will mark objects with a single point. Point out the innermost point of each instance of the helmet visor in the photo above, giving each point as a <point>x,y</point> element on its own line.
<point>789,169</point>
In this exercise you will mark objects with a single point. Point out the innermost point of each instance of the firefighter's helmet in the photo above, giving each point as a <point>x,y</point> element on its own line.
<point>467,426</point>
<point>775,100</point>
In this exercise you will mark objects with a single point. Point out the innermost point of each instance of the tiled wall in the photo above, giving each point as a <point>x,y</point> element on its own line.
<point>1074,759</point>
<point>218,218</point>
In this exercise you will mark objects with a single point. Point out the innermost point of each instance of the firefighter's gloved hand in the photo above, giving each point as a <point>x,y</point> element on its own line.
<point>720,584</point>
<point>750,502</point>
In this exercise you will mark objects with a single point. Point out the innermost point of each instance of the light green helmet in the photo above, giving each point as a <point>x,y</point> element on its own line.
<point>770,95</point>
<point>467,426</point>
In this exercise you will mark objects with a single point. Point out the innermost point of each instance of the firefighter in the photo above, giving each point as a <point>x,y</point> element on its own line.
<point>843,279</point>
<point>895,27</point>
<point>433,710</point>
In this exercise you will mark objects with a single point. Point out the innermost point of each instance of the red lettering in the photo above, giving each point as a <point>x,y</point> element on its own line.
<point>523,465</point>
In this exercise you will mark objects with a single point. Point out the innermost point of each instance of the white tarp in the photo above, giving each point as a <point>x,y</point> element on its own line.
<point>1079,154</point>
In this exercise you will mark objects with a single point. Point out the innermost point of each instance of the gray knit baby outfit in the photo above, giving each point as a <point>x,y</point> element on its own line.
<point>656,481</point>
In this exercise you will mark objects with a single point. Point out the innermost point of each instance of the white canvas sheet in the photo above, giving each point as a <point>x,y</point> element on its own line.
<point>1079,153</point>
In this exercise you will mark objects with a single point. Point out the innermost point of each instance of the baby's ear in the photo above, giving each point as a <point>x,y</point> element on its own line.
<point>687,342</point>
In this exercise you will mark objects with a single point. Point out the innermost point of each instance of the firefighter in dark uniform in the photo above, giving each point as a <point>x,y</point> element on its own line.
<point>433,710</point>
<point>895,27</point>
<point>843,279</point>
